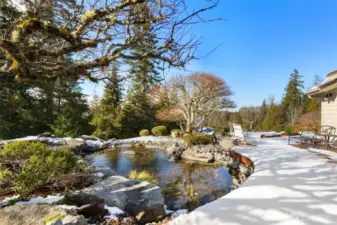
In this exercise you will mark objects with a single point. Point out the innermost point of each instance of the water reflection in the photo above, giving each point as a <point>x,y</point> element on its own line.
<point>199,183</point>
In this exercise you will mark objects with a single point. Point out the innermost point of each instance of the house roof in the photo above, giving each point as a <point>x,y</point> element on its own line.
<point>328,84</point>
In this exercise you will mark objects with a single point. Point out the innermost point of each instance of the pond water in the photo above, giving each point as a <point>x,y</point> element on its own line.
<point>198,183</point>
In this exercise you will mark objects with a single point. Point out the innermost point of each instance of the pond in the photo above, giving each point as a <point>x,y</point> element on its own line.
<point>198,183</point>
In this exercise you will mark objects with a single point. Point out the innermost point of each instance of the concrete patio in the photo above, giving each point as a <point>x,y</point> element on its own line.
<point>289,186</point>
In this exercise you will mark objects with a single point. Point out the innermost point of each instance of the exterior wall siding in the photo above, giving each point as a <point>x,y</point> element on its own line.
<point>329,110</point>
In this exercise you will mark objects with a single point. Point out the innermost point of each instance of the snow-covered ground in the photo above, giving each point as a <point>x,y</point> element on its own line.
<point>145,139</point>
<point>289,186</point>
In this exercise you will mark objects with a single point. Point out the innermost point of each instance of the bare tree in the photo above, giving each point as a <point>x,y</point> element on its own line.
<point>94,34</point>
<point>293,112</point>
<point>194,97</point>
<point>250,115</point>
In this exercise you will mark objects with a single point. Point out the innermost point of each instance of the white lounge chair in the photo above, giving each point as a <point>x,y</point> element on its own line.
<point>239,134</point>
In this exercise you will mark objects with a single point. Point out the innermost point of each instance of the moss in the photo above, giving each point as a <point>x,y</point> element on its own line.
<point>65,201</point>
<point>15,65</point>
<point>26,23</point>
<point>52,217</point>
<point>87,16</point>
<point>16,36</point>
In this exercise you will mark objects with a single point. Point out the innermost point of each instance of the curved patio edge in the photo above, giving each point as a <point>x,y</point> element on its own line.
<point>288,186</point>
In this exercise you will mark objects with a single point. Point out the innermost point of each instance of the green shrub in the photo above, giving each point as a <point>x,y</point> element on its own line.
<point>198,139</point>
<point>227,130</point>
<point>143,175</point>
<point>289,129</point>
<point>27,166</point>
<point>21,150</point>
<point>144,133</point>
<point>159,130</point>
<point>278,128</point>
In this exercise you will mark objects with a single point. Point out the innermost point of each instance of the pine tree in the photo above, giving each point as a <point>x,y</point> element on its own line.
<point>294,90</point>
<point>64,126</point>
<point>263,113</point>
<point>137,111</point>
<point>106,114</point>
<point>271,120</point>
<point>294,96</point>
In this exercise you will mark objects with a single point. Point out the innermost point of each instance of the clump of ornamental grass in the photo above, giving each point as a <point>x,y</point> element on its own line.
<point>143,175</point>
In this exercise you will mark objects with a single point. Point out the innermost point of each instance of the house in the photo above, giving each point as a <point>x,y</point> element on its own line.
<point>326,93</point>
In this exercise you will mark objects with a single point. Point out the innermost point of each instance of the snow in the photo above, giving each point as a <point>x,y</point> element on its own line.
<point>179,213</point>
<point>290,186</point>
<point>6,200</point>
<point>99,174</point>
<point>332,155</point>
<point>95,144</point>
<point>113,212</point>
<point>67,207</point>
<point>50,199</point>
<point>145,139</point>
<point>167,211</point>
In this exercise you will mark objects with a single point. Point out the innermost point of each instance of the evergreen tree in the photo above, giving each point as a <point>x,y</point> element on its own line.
<point>271,120</point>
<point>137,111</point>
<point>294,90</point>
<point>294,96</point>
<point>263,113</point>
<point>106,112</point>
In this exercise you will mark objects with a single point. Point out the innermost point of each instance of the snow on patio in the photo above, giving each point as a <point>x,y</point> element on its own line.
<point>289,186</point>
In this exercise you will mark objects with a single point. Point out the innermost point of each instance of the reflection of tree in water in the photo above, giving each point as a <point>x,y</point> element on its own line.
<point>186,184</point>
<point>145,159</point>
<point>113,157</point>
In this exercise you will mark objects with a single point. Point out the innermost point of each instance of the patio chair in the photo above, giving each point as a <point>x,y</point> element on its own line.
<point>315,137</point>
<point>241,135</point>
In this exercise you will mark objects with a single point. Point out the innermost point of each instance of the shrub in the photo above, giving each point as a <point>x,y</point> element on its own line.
<point>143,175</point>
<point>278,128</point>
<point>26,166</point>
<point>289,129</point>
<point>144,133</point>
<point>198,139</point>
<point>159,130</point>
<point>309,122</point>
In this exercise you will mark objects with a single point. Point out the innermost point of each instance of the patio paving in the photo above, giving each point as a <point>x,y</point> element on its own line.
<point>289,186</point>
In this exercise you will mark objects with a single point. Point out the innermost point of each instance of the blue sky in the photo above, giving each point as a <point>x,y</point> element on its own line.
<point>263,41</point>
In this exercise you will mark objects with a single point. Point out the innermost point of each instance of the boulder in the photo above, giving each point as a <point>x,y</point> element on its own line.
<point>90,138</point>
<point>75,145</point>
<point>138,144</point>
<point>57,221</point>
<point>129,152</point>
<point>226,143</point>
<point>103,172</point>
<point>45,134</point>
<point>140,199</point>
<point>175,151</point>
<point>198,157</point>
<point>34,214</point>
<point>88,205</point>
<point>74,220</point>
<point>180,204</point>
